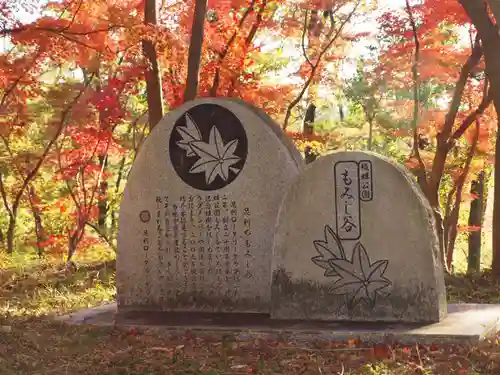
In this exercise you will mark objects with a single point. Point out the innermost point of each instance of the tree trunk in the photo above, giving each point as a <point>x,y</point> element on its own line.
<point>102,202</point>
<point>153,78</point>
<point>39,231</point>
<point>309,119</point>
<point>370,134</point>
<point>475,220</point>
<point>195,50</point>
<point>75,238</point>
<point>488,33</point>
<point>308,130</point>
<point>113,213</point>
<point>438,216</point>
<point>495,263</point>
<point>478,13</point>
<point>12,224</point>
<point>341,112</point>
<point>10,233</point>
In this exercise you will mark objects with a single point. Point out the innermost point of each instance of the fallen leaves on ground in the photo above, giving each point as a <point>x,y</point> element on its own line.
<point>39,347</point>
<point>481,288</point>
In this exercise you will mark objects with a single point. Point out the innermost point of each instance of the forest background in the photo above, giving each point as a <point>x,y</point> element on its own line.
<point>82,83</point>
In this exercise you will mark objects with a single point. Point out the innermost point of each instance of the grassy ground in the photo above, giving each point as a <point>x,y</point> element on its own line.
<point>32,344</point>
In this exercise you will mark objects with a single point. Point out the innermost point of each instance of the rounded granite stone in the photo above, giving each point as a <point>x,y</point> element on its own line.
<point>198,212</point>
<point>356,241</point>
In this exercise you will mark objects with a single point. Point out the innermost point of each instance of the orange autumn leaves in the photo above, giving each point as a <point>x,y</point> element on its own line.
<point>444,47</point>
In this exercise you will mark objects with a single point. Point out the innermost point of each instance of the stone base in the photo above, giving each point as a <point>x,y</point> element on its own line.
<point>465,323</point>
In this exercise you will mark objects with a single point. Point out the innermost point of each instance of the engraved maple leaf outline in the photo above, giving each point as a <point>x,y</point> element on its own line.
<point>330,248</point>
<point>189,133</point>
<point>358,279</point>
<point>214,158</point>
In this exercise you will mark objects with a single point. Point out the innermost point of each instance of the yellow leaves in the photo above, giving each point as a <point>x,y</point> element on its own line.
<point>315,146</point>
<point>431,122</point>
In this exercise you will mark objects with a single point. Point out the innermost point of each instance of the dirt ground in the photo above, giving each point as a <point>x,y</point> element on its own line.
<point>32,343</point>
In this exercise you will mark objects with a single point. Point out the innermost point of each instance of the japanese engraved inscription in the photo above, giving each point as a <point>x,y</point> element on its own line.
<point>347,199</point>
<point>353,183</point>
<point>354,276</point>
<point>200,236</point>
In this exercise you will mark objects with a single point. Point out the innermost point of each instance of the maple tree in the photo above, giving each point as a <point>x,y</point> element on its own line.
<point>82,86</point>
<point>57,43</point>
<point>107,59</point>
<point>480,16</point>
<point>419,40</point>
<point>94,68</point>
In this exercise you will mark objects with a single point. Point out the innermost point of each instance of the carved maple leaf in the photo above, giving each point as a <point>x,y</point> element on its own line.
<point>189,133</point>
<point>359,279</point>
<point>215,157</point>
<point>330,248</point>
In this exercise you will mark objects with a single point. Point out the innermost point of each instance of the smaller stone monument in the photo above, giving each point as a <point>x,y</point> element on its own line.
<point>356,241</point>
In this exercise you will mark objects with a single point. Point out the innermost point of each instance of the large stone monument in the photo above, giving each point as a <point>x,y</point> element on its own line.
<point>356,241</point>
<point>219,216</point>
<point>198,213</point>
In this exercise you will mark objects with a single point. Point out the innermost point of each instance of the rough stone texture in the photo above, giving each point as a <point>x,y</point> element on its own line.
<point>359,246</point>
<point>465,323</point>
<point>189,267</point>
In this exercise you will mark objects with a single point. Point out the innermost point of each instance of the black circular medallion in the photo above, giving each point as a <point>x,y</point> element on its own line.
<point>145,216</point>
<point>208,147</point>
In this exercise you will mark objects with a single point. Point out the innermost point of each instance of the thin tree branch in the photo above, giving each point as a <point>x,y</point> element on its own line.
<point>64,30</point>
<point>47,148</point>
<point>303,40</point>
<point>309,80</point>
<point>59,162</point>
<point>469,120</point>
<point>248,41</point>
<point>471,63</point>
<point>422,172</point>
<point>102,235</point>
<point>454,215</point>
<point>4,195</point>
<point>18,79</point>
<point>223,54</point>
<point>74,16</point>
